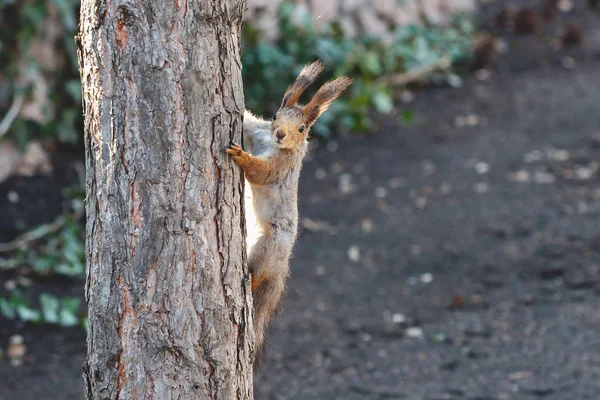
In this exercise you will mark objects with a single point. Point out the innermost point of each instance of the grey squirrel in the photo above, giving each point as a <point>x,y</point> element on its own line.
<point>277,149</point>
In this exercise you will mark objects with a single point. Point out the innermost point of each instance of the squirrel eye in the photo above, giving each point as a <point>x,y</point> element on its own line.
<point>301,129</point>
<point>275,117</point>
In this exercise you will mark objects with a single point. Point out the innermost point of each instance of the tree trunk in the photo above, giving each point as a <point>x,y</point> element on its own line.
<point>167,287</point>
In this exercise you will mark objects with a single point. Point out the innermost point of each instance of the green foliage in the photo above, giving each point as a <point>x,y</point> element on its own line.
<point>17,306</point>
<point>61,253</point>
<point>269,68</point>
<point>59,311</point>
<point>63,311</point>
<point>21,23</point>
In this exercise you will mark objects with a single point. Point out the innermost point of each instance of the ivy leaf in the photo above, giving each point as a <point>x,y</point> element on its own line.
<point>50,306</point>
<point>383,102</point>
<point>67,318</point>
<point>7,310</point>
<point>370,63</point>
<point>408,116</point>
<point>28,314</point>
<point>68,313</point>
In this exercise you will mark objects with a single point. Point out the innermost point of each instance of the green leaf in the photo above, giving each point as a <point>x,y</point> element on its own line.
<point>17,299</point>
<point>44,264</point>
<point>7,309</point>
<point>407,116</point>
<point>67,318</point>
<point>70,304</point>
<point>439,337</point>
<point>383,102</point>
<point>68,313</point>
<point>454,80</point>
<point>50,306</point>
<point>28,314</point>
<point>370,63</point>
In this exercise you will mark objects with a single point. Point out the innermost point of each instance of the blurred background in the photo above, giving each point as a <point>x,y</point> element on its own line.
<point>450,207</point>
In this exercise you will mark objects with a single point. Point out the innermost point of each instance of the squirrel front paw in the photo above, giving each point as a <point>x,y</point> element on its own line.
<point>236,152</point>
<point>234,149</point>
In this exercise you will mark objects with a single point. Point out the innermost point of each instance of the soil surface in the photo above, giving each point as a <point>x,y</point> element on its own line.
<point>456,257</point>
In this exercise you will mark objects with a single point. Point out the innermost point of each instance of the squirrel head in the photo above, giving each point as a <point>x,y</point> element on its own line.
<point>291,124</point>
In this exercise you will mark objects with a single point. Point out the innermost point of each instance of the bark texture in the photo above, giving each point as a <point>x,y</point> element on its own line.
<point>167,287</point>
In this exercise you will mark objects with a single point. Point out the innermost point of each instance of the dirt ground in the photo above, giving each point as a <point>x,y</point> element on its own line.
<point>456,257</point>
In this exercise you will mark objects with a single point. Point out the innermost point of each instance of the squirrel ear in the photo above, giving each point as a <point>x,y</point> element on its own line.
<point>324,97</point>
<point>309,73</point>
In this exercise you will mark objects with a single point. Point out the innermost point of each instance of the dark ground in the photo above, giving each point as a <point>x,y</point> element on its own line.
<point>438,276</point>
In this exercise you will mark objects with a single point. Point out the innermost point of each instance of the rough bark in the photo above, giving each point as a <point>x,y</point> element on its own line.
<point>167,287</point>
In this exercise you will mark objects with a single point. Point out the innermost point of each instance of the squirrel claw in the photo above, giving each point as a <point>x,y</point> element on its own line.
<point>234,149</point>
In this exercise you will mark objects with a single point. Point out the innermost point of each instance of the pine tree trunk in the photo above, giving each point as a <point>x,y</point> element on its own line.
<point>167,287</point>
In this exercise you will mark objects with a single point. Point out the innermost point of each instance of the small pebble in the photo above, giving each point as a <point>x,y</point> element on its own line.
<point>520,176</point>
<point>533,156</point>
<point>380,192</point>
<point>415,250</point>
<point>481,187</point>
<point>568,62</point>
<point>421,203</point>
<point>483,74</point>
<point>429,167</point>
<point>336,168</point>
<point>10,285</point>
<point>358,168</point>
<point>13,196</point>
<point>345,184</point>
<point>584,173</point>
<point>482,167</point>
<point>472,120</point>
<point>543,177</point>
<point>399,318</point>
<point>396,183</point>
<point>407,96</point>
<point>427,278</point>
<point>354,253</point>
<point>16,350</point>
<point>24,281</point>
<point>558,155</point>
<point>565,5</point>
<point>320,174</point>
<point>415,332</point>
<point>445,189</point>
<point>366,224</point>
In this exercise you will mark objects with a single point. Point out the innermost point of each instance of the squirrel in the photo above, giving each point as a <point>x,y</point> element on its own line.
<point>272,169</point>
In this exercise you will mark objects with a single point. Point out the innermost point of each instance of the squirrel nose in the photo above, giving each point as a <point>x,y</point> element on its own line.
<point>280,135</point>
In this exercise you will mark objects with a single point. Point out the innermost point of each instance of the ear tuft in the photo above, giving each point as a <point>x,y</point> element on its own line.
<point>324,97</point>
<point>308,75</point>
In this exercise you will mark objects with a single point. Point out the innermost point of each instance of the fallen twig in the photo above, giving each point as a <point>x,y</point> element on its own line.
<point>12,113</point>
<point>38,233</point>
<point>414,75</point>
